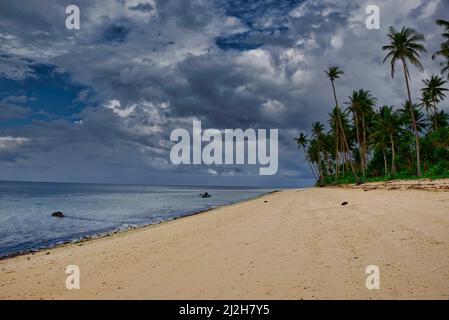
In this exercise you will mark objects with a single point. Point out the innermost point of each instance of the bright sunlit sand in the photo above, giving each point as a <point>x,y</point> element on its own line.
<point>294,244</point>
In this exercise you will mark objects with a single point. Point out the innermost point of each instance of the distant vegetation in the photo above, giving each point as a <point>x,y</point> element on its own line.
<point>366,142</point>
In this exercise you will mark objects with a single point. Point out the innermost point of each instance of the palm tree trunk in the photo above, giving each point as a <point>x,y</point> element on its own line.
<point>320,168</point>
<point>326,161</point>
<point>317,170</point>
<point>345,141</point>
<point>337,156</point>
<point>385,160</point>
<point>393,155</point>
<point>320,163</point>
<point>434,114</point>
<point>429,120</point>
<point>325,158</point>
<point>365,162</point>
<point>415,128</point>
<point>335,94</point>
<point>356,120</point>
<point>308,161</point>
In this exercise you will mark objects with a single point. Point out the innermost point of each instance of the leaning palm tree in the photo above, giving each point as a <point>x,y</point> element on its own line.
<point>313,153</point>
<point>434,91</point>
<point>302,141</point>
<point>334,73</point>
<point>405,46</point>
<point>318,133</point>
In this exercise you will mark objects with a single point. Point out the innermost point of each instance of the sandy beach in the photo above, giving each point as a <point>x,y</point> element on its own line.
<point>293,244</point>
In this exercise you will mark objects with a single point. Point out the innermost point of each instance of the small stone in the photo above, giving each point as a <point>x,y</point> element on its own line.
<point>57,214</point>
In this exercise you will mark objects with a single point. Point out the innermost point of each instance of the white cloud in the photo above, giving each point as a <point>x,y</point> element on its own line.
<point>337,40</point>
<point>8,142</point>
<point>273,109</point>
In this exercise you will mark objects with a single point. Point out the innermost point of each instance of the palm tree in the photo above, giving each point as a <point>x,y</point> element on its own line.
<point>444,48</point>
<point>444,52</point>
<point>361,106</point>
<point>386,124</point>
<point>420,119</point>
<point>334,122</point>
<point>313,153</point>
<point>317,130</point>
<point>334,73</point>
<point>440,138</point>
<point>442,119</point>
<point>405,46</point>
<point>445,25</point>
<point>426,103</point>
<point>434,91</point>
<point>302,141</point>
<point>378,141</point>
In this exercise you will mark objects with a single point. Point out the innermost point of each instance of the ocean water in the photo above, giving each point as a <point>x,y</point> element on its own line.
<point>25,209</point>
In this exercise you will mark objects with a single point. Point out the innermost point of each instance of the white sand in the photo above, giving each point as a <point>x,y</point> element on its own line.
<point>302,244</point>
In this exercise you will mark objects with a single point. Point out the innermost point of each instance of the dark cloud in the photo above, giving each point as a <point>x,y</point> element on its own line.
<point>115,33</point>
<point>16,68</point>
<point>143,7</point>
<point>136,70</point>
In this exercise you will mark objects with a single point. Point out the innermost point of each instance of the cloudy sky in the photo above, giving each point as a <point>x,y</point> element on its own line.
<point>98,104</point>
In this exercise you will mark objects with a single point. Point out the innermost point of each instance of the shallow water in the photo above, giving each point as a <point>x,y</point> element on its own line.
<point>89,209</point>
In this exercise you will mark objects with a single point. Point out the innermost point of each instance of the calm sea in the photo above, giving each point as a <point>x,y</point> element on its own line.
<point>90,209</point>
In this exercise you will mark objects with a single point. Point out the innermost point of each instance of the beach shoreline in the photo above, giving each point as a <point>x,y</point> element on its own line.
<point>114,232</point>
<point>289,244</point>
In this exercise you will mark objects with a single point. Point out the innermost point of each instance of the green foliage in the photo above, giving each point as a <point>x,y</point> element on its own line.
<point>366,143</point>
<point>439,170</point>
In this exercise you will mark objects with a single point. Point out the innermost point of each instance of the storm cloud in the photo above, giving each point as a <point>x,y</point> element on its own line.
<point>98,104</point>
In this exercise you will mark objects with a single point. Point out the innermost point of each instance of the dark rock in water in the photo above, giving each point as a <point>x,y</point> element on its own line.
<point>344,203</point>
<point>57,214</point>
<point>205,195</point>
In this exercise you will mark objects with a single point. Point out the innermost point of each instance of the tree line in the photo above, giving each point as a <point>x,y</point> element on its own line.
<point>366,142</point>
